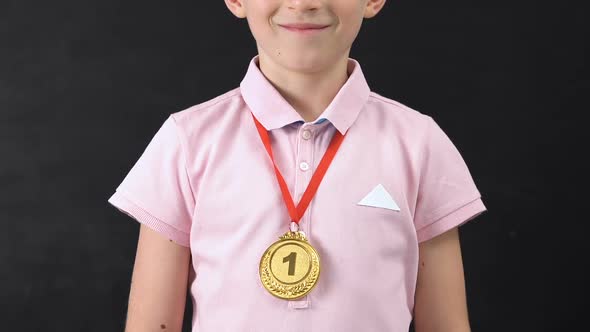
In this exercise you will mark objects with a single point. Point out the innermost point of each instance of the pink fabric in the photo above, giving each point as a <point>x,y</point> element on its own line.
<point>206,181</point>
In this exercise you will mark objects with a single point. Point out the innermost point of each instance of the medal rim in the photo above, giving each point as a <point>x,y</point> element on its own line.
<point>309,277</point>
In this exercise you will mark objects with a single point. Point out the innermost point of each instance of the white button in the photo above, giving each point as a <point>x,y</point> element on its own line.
<point>306,134</point>
<point>304,166</point>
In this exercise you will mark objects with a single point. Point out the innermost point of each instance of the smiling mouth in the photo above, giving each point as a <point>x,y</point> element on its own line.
<point>304,30</point>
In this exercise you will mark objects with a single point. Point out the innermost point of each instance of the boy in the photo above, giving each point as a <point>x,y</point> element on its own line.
<point>365,193</point>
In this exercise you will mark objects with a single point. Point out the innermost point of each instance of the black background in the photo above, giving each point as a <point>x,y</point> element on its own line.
<point>84,85</point>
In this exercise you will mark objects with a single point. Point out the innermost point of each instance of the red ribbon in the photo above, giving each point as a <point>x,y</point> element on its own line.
<point>297,212</point>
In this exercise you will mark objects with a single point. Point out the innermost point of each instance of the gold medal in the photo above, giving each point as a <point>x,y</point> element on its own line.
<point>290,267</point>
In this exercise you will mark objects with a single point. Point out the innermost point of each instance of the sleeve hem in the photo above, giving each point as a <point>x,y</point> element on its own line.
<point>126,206</point>
<point>453,219</point>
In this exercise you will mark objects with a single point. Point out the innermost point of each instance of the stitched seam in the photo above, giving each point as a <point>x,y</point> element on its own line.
<point>374,95</point>
<point>184,161</point>
<point>421,159</point>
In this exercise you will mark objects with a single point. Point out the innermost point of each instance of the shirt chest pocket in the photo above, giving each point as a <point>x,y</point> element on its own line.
<point>380,214</point>
<point>366,225</point>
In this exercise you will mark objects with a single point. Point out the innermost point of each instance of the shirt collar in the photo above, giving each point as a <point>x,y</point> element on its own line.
<point>273,111</point>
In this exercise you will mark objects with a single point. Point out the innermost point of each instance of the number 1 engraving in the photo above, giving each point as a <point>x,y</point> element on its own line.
<point>291,259</point>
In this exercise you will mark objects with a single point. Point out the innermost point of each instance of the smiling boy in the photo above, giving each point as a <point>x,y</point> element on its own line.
<point>375,190</point>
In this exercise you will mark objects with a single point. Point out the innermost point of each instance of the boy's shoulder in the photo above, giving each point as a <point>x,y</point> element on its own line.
<point>213,104</point>
<point>396,109</point>
<point>407,123</point>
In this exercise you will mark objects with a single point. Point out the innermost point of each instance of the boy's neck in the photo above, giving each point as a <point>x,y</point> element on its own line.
<point>309,93</point>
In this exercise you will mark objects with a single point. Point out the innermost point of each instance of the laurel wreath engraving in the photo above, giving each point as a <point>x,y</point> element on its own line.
<point>289,291</point>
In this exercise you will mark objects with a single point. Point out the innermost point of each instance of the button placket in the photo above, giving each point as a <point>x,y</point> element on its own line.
<point>303,174</point>
<point>306,170</point>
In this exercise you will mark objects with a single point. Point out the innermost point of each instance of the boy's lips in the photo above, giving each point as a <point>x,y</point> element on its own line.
<point>304,25</point>
<point>305,28</point>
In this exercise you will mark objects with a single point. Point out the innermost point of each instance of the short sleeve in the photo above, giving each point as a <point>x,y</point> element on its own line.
<point>447,194</point>
<point>157,191</point>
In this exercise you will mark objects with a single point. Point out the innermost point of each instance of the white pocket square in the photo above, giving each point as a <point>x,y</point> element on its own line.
<point>379,197</point>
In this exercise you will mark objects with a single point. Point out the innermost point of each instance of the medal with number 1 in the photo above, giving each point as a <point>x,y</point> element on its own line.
<point>290,267</point>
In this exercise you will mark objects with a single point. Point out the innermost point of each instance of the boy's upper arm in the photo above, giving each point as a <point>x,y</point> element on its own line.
<point>447,195</point>
<point>159,283</point>
<point>440,302</point>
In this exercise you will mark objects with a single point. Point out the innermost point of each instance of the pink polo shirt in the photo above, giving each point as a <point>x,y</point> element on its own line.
<point>206,181</point>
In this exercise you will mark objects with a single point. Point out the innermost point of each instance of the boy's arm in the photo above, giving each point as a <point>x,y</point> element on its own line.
<point>440,302</point>
<point>159,284</point>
